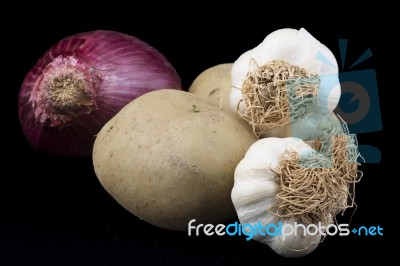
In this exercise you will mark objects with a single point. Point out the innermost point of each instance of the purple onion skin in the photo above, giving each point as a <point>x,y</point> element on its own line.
<point>81,83</point>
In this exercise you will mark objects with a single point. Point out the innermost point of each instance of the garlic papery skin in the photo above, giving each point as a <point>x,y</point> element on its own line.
<point>297,48</point>
<point>255,190</point>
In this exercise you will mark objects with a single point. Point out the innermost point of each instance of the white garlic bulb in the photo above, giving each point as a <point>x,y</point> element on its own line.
<point>286,57</point>
<point>255,190</point>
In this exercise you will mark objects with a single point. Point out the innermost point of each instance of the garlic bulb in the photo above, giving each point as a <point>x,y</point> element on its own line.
<point>283,181</point>
<point>284,79</point>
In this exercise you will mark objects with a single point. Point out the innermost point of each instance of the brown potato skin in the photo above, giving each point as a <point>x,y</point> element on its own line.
<point>169,157</point>
<point>214,85</point>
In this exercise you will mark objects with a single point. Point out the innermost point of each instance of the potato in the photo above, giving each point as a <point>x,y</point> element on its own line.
<point>169,157</point>
<point>214,84</point>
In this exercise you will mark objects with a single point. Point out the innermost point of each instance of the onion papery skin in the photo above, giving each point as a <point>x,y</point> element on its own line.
<point>110,69</point>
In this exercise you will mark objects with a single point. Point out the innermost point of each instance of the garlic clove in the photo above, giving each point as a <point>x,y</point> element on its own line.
<point>235,102</point>
<point>239,71</point>
<point>240,68</point>
<point>329,92</point>
<point>293,246</point>
<point>286,45</point>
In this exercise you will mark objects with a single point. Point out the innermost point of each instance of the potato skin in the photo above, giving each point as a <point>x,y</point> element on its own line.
<point>214,84</point>
<point>169,157</point>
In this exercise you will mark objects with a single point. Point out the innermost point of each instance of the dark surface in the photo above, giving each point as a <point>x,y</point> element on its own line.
<point>54,211</point>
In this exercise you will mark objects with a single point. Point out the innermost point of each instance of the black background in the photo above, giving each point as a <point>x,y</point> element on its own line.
<point>54,211</point>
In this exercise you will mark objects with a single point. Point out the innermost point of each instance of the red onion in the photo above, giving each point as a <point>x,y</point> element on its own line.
<point>82,82</point>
